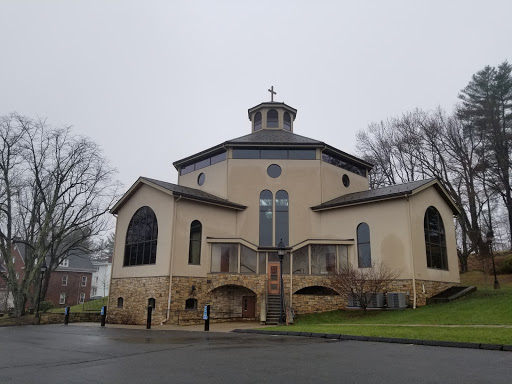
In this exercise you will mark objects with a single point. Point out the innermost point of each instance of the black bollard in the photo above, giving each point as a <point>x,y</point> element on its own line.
<point>150,311</point>
<point>206,317</point>
<point>103,315</point>
<point>66,315</point>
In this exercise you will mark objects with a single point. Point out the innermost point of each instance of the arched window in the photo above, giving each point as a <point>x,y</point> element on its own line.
<point>266,219</point>
<point>191,304</point>
<point>287,122</point>
<point>257,121</point>
<point>272,119</point>
<point>120,302</point>
<point>364,252</point>
<point>282,220</point>
<point>152,303</point>
<point>194,250</point>
<point>141,238</point>
<point>435,239</point>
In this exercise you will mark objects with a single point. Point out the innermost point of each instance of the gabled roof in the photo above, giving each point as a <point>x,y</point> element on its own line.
<point>385,193</point>
<point>78,262</point>
<point>176,190</point>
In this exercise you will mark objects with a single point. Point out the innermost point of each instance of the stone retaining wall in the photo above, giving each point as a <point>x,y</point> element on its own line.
<point>77,317</point>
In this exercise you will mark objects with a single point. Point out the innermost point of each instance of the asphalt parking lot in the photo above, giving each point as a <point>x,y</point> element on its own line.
<point>91,354</point>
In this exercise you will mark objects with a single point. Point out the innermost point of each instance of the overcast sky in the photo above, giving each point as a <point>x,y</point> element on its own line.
<point>156,81</point>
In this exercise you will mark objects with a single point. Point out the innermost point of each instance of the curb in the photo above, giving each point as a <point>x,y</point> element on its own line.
<point>335,336</point>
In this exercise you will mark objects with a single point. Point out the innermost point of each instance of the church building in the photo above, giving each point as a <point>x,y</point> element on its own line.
<point>215,236</point>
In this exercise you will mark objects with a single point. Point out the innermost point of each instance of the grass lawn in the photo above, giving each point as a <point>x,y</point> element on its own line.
<point>470,314</point>
<point>90,306</point>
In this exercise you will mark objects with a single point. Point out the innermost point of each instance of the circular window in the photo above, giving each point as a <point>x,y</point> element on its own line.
<point>201,178</point>
<point>345,180</point>
<point>274,171</point>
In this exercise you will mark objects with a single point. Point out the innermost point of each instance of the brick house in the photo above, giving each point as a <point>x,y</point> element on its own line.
<point>213,238</point>
<point>17,255</point>
<point>70,283</point>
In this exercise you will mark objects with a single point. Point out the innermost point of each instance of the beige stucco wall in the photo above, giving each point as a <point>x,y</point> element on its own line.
<point>215,221</point>
<point>332,185</point>
<point>215,182</point>
<point>419,204</point>
<point>162,204</point>
<point>388,231</point>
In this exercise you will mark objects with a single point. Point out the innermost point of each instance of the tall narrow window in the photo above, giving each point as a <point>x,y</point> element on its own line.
<point>141,238</point>
<point>194,251</point>
<point>62,298</point>
<point>364,253</point>
<point>282,221</point>
<point>435,239</point>
<point>266,219</point>
<point>287,122</point>
<point>257,121</point>
<point>272,119</point>
<point>120,302</point>
<point>82,298</point>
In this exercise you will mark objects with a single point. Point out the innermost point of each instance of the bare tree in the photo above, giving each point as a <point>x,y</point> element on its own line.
<point>55,191</point>
<point>363,284</point>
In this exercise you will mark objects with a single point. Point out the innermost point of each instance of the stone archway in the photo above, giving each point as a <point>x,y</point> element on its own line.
<point>233,302</point>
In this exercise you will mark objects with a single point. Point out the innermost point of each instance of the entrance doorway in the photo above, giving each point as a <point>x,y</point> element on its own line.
<point>274,283</point>
<point>248,306</point>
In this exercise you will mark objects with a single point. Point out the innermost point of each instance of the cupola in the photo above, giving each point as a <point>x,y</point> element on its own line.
<point>272,115</point>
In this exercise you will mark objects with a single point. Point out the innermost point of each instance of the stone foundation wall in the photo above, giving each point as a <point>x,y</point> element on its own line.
<point>135,293</point>
<point>314,303</point>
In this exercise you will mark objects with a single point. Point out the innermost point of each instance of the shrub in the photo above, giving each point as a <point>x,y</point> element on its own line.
<point>504,266</point>
<point>45,306</point>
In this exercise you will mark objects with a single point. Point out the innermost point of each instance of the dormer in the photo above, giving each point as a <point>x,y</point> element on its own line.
<point>272,115</point>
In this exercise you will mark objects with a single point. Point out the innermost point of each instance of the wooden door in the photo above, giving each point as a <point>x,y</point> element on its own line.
<point>274,283</point>
<point>248,306</point>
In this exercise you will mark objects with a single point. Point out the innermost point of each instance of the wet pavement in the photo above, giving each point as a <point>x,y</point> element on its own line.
<point>91,354</point>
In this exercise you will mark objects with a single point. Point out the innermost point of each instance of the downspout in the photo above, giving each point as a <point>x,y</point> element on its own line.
<point>412,253</point>
<point>171,264</point>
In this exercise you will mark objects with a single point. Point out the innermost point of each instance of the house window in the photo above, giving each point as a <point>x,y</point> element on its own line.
<point>141,238</point>
<point>64,280</point>
<point>82,298</point>
<point>84,281</point>
<point>364,253</point>
<point>62,299</point>
<point>301,261</point>
<point>64,263</point>
<point>120,302</point>
<point>435,239</point>
<point>152,303</point>
<point>191,304</point>
<point>17,276</point>
<point>272,119</point>
<point>287,122</point>
<point>194,250</point>
<point>266,217</point>
<point>257,121</point>
<point>13,260</point>
<point>282,217</point>
<point>94,291</point>
<point>323,259</point>
<point>224,258</point>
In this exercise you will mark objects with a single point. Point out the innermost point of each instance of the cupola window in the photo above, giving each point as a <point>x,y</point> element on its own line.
<point>287,122</point>
<point>257,121</point>
<point>272,119</point>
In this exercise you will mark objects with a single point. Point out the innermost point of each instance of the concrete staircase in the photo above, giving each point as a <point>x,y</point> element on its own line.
<point>273,309</point>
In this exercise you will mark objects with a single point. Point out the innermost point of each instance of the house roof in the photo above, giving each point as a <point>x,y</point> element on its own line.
<point>176,190</point>
<point>385,193</point>
<point>78,262</point>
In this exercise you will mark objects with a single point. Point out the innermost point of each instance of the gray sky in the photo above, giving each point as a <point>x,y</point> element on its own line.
<point>156,81</point>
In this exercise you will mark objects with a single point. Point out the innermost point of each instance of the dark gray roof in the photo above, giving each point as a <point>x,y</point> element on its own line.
<point>194,194</point>
<point>379,194</point>
<point>78,261</point>
<point>277,136</point>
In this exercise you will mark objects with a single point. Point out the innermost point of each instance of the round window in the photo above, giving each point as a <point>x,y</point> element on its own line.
<point>345,180</point>
<point>201,178</point>
<point>274,171</point>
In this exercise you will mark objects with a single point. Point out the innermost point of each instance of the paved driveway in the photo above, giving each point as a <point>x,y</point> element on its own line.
<point>87,354</point>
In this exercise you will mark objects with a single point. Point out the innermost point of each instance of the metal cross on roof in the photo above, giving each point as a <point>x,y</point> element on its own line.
<point>272,93</point>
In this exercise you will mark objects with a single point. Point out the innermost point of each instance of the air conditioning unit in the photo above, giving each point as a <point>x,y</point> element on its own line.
<point>375,300</point>
<point>396,300</point>
<point>353,301</point>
